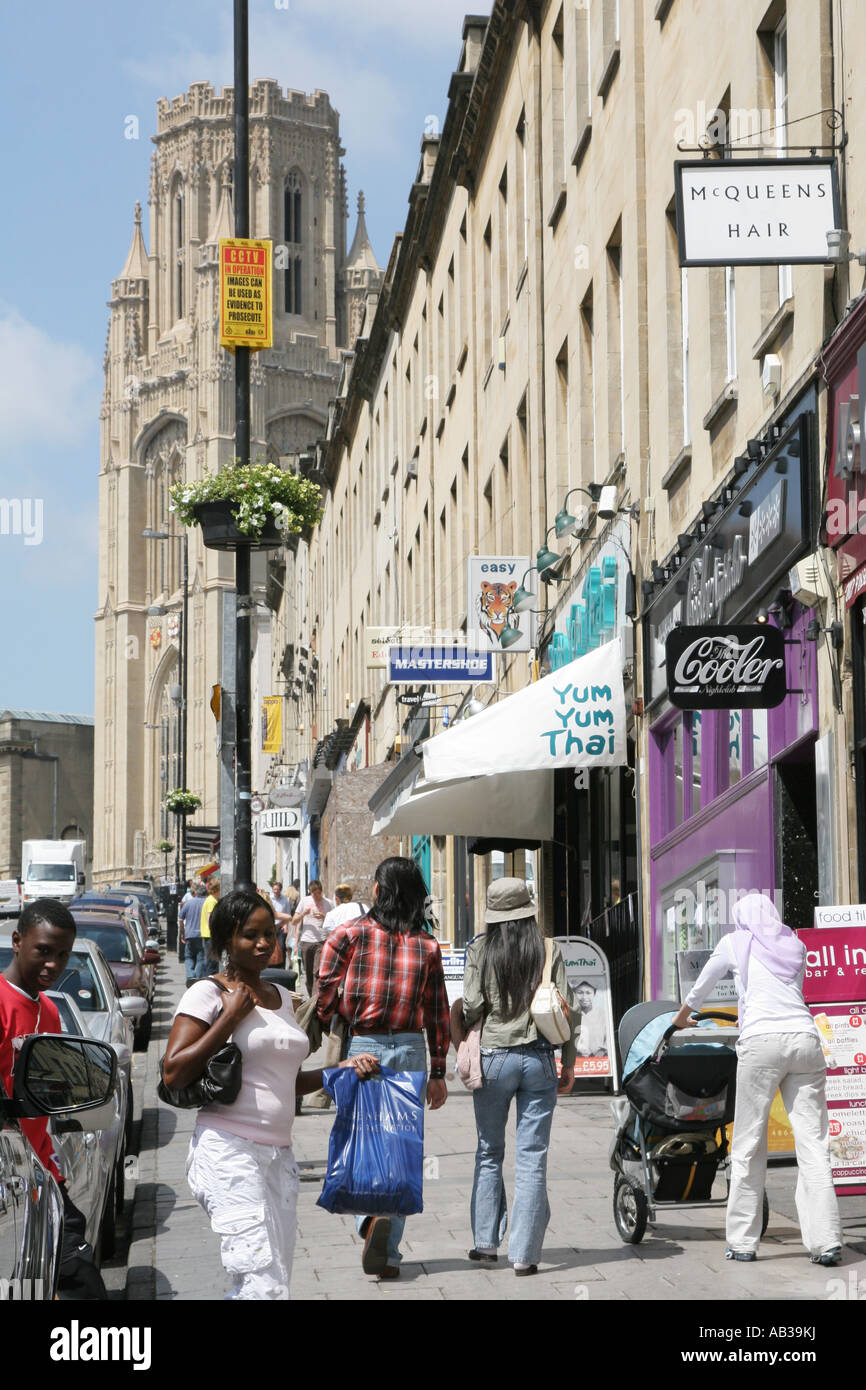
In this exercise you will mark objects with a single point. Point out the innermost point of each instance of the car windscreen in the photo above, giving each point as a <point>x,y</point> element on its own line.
<point>67,1018</point>
<point>113,942</point>
<point>50,873</point>
<point>77,980</point>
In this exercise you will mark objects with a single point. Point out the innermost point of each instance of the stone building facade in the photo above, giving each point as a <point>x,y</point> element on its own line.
<point>46,782</point>
<point>535,333</point>
<point>168,414</point>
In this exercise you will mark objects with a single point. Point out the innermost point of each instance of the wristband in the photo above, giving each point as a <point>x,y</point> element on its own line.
<point>437,1074</point>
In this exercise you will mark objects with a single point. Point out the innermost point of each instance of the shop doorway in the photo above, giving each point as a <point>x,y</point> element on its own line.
<point>796,822</point>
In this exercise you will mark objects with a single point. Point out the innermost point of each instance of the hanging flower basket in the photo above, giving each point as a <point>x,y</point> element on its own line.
<point>181,802</point>
<point>255,505</point>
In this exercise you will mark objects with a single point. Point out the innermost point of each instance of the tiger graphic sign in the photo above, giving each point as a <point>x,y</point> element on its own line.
<point>492,583</point>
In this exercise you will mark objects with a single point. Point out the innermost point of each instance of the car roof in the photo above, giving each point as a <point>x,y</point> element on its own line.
<point>83,945</point>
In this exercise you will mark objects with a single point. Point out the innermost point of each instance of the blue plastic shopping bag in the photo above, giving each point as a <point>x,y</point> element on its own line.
<point>376,1150</point>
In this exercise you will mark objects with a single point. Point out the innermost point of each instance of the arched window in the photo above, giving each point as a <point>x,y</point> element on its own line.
<point>293,228</point>
<point>178,249</point>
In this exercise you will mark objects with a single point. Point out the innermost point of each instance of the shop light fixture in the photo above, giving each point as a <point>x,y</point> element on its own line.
<point>781,464</point>
<point>545,559</point>
<point>746,508</point>
<point>755,449</point>
<point>684,540</point>
<point>742,464</point>
<point>647,588</point>
<point>660,576</point>
<point>709,509</point>
<point>762,617</point>
<point>835,631</point>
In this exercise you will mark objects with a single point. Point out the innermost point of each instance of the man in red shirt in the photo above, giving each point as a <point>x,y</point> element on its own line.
<point>42,945</point>
<point>393,983</point>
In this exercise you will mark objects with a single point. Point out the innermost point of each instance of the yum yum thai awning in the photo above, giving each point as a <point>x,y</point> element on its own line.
<point>493,774</point>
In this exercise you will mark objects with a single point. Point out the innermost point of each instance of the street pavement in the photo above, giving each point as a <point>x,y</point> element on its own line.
<point>167,1250</point>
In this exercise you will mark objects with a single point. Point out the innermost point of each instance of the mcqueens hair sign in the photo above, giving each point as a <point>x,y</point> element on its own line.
<point>726,667</point>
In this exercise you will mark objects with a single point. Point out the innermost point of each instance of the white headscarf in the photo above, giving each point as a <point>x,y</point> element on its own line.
<point>760,929</point>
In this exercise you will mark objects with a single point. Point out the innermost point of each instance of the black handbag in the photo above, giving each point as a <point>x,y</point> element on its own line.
<point>219,1083</point>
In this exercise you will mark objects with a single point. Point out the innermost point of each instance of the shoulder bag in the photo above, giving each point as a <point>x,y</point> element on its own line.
<point>549,1011</point>
<point>220,1083</point>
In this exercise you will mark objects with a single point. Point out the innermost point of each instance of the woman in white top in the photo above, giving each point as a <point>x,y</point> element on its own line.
<point>779,1049</point>
<point>240,1165</point>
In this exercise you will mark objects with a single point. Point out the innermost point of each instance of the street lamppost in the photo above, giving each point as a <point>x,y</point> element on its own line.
<point>157,611</point>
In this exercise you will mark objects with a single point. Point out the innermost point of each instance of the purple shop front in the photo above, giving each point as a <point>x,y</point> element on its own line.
<point>714,806</point>
<point>733,805</point>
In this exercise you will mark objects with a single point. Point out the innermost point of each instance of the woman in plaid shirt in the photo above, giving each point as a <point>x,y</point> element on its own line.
<point>390,970</point>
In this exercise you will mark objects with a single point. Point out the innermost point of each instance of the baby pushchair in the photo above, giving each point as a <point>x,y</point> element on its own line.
<point>671,1141</point>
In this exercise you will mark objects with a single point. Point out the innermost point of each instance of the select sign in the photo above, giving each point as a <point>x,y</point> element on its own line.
<point>726,667</point>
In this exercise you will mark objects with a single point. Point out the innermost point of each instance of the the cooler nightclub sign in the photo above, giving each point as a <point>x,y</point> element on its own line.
<point>745,554</point>
<point>726,667</point>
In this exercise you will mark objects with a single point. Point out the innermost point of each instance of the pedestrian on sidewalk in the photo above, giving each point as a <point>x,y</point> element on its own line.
<point>42,942</point>
<point>240,1166</point>
<point>779,1048</point>
<point>503,970</point>
<point>212,897</point>
<point>393,984</point>
<point>348,909</point>
<point>283,911</point>
<point>189,921</point>
<point>310,915</point>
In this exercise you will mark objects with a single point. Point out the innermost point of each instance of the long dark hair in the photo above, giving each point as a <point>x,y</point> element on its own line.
<point>512,955</point>
<point>230,915</point>
<point>399,904</point>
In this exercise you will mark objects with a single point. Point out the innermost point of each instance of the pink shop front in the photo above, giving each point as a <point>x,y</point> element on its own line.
<point>735,794</point>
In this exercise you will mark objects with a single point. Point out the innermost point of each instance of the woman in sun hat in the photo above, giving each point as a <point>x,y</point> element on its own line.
<point>779,1048</point>
<point>503,970</point>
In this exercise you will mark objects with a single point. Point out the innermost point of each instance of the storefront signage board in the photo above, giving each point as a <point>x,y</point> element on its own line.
<point>491,583</point>
<point>588,974</point>
<point>439,666</point>
<point>835,990</point>
<point>717,582</point>
<point>726,667</point>
<point>756,211</point>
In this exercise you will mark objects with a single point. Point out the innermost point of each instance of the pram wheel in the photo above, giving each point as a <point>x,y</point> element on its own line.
<point>765,1214</point>
<point>629,1211</point>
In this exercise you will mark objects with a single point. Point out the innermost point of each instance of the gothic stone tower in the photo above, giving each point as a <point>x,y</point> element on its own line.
<point>168,413</point>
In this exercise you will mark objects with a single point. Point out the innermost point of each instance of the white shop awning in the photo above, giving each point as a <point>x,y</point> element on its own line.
<point>492,776</point>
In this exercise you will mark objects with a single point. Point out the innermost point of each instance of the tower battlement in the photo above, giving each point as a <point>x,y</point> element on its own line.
<point>203,102</point>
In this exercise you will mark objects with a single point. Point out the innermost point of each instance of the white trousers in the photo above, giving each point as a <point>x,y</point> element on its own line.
<point>792,1063</point>
<point>250,1193</point>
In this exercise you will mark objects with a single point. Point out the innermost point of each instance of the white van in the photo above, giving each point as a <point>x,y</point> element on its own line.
<point>52,869</point>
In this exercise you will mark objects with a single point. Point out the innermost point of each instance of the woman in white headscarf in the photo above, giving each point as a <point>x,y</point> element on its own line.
<point>779,1049</point>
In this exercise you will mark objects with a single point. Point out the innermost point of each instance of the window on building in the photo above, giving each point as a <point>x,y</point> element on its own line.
<point>678,771</point>
<point>730,323</point>
<point>504,249</point>
<point>588,431</point>
<point>487,301</point>
<point>557,107</point>
<point>780,117</point>
<point>293,231</point>
<point>615,348</point>
<point>759,738</point>
<point>521,206</point>
<point>735,746</point>
<point>563,420</point>
<point>178,251</point>
<point>583,65</point>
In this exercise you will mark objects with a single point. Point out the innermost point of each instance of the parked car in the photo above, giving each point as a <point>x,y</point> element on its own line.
<point>93,1161</point>
<point>83,1077</point>
<point>126,903</point>
<point>132,970</point>
<point>147,945</point>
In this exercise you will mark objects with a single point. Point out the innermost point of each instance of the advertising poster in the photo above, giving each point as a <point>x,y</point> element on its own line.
<point>272,723</point>
<point>492,581</point>
<point>588,975</point>
<point>835,990</point>
<point>453,965</point>
<point>689,966</point>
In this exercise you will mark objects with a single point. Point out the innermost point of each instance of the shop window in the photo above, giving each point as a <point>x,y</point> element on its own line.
<point>735,746</point>
<point>421,855</point>
<point>759,738</point>
<point>697,755</point>
<point>677,753</point>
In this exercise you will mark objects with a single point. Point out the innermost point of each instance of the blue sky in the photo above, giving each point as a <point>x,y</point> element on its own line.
<point>70,76</point>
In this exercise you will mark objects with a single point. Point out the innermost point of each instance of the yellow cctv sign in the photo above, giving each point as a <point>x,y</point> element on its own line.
<point>246,297</point>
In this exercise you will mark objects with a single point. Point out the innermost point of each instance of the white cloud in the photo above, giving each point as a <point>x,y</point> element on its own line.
<point>420,22</point>
<point>51,390</point>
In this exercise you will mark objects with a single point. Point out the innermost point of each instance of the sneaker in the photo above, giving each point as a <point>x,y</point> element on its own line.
<point>829,1258</point>
<point>378,1232</point>
<point>747,1256</point>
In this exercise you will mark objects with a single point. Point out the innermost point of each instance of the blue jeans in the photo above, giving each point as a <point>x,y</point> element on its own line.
<point>194,958</point>
<point>527,1073</point>
<point>401,1052</point>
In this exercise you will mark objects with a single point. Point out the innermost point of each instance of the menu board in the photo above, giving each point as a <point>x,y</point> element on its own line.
<point>835,990</point>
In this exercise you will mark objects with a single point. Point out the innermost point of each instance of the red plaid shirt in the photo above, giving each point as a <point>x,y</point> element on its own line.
<point>392,982</point>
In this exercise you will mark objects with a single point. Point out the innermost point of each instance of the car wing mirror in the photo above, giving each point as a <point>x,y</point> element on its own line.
<point>63,1075</point>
